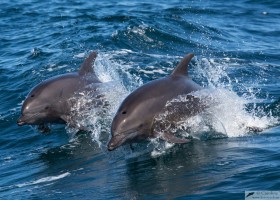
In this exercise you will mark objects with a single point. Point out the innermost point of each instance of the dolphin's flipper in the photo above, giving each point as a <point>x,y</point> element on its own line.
<point>86,67</point>
<point>169,137</point>
<point>254,129</point>
<point>182,67</point>
<point>43,128</point>
<point>65,118</point>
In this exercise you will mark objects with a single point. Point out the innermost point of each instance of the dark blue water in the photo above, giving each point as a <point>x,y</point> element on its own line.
<point>236,44</point>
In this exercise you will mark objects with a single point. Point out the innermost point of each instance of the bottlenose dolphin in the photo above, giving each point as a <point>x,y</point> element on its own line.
<point>48,102</point>
<point>135,118</point>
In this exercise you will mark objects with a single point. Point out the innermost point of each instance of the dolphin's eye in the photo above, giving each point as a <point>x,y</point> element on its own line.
<point>124,112</point>
<point>32,95</point>
<point>47,107</point>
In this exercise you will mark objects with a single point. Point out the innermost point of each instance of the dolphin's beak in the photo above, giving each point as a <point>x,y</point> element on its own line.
<point>20,121</point>
<point>120,139</point>
<point>116,141</point>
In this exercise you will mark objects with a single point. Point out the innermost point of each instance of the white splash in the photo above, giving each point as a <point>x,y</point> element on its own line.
<point>79,55</point>
<point>91,114</point>
<point>153,71</point>
<point>229,112</point>
<point>141,31</point>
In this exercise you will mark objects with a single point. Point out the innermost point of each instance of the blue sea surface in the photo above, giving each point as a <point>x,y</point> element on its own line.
<point>237,50</point>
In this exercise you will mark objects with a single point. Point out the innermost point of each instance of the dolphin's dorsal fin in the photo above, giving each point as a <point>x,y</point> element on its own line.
<point>182,67</point>
<point>86,66</point>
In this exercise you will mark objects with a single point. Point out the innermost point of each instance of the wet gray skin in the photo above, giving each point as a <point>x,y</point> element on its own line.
<point>134,120</point>
<point>48,101</point>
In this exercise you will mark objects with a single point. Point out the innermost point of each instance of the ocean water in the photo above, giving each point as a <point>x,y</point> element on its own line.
<point>236,44</point>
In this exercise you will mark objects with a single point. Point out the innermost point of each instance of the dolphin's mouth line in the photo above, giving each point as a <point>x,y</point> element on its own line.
<point>131,135</point>
<point>30,117</point>
<point>130,131</point>
<point>126,135</point>
<point>120,138</point>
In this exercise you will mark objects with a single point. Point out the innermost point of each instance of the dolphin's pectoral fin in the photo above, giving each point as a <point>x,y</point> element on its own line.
<point>43,128</point>
<point>169,137</point>
<point>65,118</point>
<point>86,67</point>
<point>254,129</point>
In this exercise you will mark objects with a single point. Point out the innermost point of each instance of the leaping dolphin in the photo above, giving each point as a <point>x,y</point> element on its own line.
<point>48,101</point>
<point>135,118</point>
